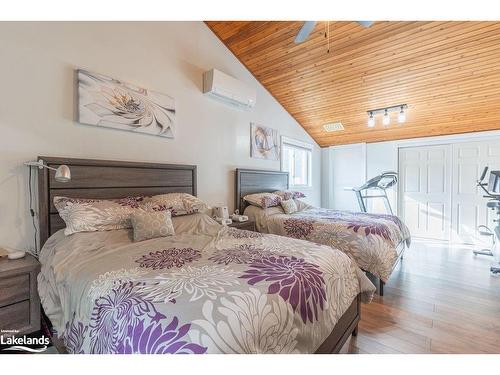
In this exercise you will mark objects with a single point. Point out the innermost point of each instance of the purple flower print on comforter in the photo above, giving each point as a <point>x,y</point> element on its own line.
<point>214,290</point>
<point>295,280</point>
<point>155,338</point>
<point>372,240</point>
<point>125,322</point>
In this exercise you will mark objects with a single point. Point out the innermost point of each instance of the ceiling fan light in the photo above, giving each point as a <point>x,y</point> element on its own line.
<point>386,120</point>
<point>365,24</point>
<point>402,116</point>
<point>371,121</point>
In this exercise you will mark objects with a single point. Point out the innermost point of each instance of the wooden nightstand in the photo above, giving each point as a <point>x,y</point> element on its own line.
<point>246,225</point>
<point>19,301</point>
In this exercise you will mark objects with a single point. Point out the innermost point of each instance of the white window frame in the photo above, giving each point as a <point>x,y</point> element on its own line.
<point>298,144</point>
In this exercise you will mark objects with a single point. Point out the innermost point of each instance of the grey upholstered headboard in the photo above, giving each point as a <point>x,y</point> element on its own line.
<point>250,181</point>
<point>106,179</point>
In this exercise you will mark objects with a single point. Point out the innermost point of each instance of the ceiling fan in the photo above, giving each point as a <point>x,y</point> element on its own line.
<point>308,27</point>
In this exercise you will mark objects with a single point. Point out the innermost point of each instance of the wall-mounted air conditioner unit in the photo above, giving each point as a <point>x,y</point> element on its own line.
<point>228,89</point>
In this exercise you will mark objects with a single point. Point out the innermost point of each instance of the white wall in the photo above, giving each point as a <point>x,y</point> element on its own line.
<point>346,169</point>
<point>380,157</point>
<point>37,106</point>
<point>326,178</point>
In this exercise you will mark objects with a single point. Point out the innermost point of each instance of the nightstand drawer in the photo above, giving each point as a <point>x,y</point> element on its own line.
<point>14,289</point>
<point>16,316</point>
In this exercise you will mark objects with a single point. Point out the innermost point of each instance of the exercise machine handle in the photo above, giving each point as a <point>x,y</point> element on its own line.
<point>483,175</point>
<point>482,184</point>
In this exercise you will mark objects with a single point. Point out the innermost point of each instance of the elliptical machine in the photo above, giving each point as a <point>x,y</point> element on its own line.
<point>492,190</point>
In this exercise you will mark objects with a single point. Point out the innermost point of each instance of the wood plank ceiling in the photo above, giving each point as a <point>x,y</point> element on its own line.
<point>447,72</point>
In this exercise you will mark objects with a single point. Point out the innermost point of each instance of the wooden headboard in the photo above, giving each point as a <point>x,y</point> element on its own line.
<point>250,181</point>
<point>106,179</point>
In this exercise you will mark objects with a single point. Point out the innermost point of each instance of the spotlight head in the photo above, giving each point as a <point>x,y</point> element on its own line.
<point>371,120</point>
<point>386,120</point>
<point>402,116</point>
<point>63,174</point>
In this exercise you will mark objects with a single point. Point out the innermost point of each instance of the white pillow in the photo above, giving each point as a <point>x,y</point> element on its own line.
<point>91,215</point>
<point>289,206</point>
<point>263,200</point>
<point>177,203</point>
<point>290,194</point>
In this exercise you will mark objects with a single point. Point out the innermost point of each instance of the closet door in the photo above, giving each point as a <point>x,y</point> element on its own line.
<point>469,206</point>
<point>425,191</point>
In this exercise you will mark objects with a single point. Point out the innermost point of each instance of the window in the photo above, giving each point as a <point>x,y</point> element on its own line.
<point>296,159</point>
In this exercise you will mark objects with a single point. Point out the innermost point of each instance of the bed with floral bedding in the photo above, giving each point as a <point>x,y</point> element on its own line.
<point>374,241</point>
<point>207,289</point>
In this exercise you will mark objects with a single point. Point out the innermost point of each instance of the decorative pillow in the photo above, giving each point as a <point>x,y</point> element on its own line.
<point>289,206</point>
<point>151,224</point>
<point>193,203</point>
<point>177,203</point>
<point>91,215</point>
<point>264,200</point>
<point>290,194</point>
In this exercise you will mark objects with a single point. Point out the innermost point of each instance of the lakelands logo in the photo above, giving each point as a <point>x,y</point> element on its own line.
<point>10,343</point>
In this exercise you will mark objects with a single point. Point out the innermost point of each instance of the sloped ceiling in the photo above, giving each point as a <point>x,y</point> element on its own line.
<point>447,72</point>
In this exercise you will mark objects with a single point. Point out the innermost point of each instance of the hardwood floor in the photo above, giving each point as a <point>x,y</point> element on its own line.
<point>440,299</point>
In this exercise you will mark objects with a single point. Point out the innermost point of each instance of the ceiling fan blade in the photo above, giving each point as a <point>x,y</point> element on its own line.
<point>304,31</point>
<point>365,24</point>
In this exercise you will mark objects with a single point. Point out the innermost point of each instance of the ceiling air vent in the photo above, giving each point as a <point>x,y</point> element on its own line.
<point>333,127</point>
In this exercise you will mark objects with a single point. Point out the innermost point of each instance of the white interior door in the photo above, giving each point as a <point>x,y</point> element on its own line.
<point>425,191</point>
<point>469,206</point>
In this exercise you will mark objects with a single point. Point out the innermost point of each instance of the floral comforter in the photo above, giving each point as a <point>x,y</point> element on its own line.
<point>207,289</point>
<point>372,240</point>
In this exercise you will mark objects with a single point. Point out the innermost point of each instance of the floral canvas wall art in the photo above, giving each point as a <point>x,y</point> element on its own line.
<point>264,142</point>
<point>107,102</point>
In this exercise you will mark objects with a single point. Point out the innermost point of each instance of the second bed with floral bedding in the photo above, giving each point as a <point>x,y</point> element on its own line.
<point>372,240</point>
<point>207,289</point>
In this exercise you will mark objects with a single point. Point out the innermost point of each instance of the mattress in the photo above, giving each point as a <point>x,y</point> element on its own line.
<point>207,289</point>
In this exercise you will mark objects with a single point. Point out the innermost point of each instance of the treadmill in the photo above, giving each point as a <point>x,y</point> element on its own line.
<point>379,184</point>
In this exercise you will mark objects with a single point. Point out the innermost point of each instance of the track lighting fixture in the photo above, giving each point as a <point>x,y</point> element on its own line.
<point>386,119</point>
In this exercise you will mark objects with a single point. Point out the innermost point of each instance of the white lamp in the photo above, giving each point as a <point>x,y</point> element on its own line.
<point>386,120</point>
<point>371,120</point>
<point>63,173</point>
<point>402,115</point>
